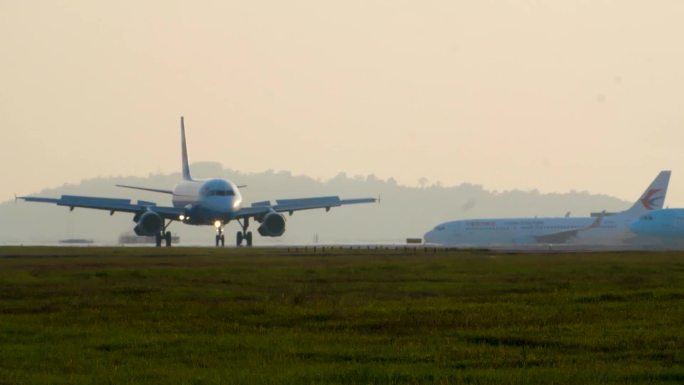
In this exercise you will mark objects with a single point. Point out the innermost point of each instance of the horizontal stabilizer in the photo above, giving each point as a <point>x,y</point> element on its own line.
<point>146,189</point>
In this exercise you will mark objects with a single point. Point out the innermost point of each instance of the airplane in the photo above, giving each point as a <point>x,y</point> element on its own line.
<point>664,226</point>
<point>214,202</point>
<point>602,229</point>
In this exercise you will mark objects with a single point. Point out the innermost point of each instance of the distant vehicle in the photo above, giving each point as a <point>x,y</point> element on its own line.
<point>603,229</point>
<point>202,202</point>
<point>132,239</point>
<point>76,241</point>
<point>664,226</point>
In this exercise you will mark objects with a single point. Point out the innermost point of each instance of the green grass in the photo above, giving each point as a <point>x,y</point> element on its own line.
<point>246,316</point>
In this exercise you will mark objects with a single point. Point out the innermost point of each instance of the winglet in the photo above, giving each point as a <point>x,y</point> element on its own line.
<point>598,221</point>
<point>184,153</point>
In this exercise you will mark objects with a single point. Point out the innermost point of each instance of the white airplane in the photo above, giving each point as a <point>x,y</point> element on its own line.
<point>604,229</point>
<point>202,202</point>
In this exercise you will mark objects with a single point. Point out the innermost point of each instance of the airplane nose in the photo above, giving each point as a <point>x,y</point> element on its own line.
<point>429,237</point>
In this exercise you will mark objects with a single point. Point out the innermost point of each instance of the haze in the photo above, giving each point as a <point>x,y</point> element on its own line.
<point>583,95</point>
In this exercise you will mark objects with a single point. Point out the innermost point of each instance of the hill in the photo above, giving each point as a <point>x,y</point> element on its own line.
<point>404,211</point>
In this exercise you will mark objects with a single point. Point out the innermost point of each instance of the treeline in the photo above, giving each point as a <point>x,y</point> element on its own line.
<point>404,211</point>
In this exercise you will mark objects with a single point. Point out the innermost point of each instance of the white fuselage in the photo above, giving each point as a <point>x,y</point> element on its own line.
<point>613,229</point>
<point>207,201</point>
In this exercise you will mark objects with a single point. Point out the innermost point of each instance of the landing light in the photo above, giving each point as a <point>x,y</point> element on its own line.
<point>181,217</point>
<point>217,224</point>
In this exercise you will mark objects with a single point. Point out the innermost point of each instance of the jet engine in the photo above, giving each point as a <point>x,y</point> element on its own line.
<point>272,225</point>
<point>149,223</point>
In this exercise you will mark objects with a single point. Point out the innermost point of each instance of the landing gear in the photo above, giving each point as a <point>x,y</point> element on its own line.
<point>241,236</point>
<point>163,235</point>
<point>244,234</point>
<point>220,238</point>
<point>247,237</point>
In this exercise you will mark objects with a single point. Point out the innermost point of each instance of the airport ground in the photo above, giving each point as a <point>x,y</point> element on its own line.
<point>346,316</point>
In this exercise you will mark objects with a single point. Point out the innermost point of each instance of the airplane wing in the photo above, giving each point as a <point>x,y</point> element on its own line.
<point>564,236</point>
<point>109,204</point>
<point>292,205</point>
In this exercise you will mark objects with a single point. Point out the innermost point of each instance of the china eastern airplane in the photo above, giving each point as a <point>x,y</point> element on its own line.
<point>604,229</point>
<point>202,202</point>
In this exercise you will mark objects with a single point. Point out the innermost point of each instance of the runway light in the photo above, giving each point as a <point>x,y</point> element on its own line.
<point>217,224</point>
<point>181,217</point>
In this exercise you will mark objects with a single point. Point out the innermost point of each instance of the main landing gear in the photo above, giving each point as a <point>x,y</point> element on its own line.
<point>163,235</point>
<point>244,234</point>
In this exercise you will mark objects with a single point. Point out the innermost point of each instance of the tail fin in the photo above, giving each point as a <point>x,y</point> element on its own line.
<point>654,196</point>
<point>184,150</point>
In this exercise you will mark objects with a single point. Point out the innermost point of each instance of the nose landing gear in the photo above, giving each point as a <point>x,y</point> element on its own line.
<point>241,236</point>
<point>220,238</point>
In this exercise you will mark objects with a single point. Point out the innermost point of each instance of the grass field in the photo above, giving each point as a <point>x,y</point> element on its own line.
<point>269,316</point>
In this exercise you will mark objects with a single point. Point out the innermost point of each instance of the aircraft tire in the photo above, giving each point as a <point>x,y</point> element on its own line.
<point>158,239</point>
<point>167,238</point>
<point>239,238</point>
<point>248,238</point>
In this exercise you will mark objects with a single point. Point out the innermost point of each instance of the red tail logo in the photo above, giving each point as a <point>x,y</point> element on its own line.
<point>649,200</point>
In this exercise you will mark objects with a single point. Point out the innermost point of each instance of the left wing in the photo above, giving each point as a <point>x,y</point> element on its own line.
<point>109,204</point>
<point>292,205</point>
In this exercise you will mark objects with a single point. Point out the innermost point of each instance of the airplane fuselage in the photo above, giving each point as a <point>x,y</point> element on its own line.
<point>207,201</point>
<point>524,231</point>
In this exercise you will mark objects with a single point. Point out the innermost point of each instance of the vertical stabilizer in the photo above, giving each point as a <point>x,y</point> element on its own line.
<point>184,150</point>
<point>654,196</point>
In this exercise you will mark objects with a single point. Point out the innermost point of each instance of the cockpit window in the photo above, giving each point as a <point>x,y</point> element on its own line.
<point>647,218</point>
<point>439,228</point>
<point>222,193</point>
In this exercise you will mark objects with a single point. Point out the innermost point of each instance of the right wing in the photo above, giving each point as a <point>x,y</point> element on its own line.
<point>292,205</point>
<point>564,236</point>
<point>109,204</point>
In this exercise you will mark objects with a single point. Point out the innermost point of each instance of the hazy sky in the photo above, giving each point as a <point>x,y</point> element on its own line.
<point>554,95</point>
